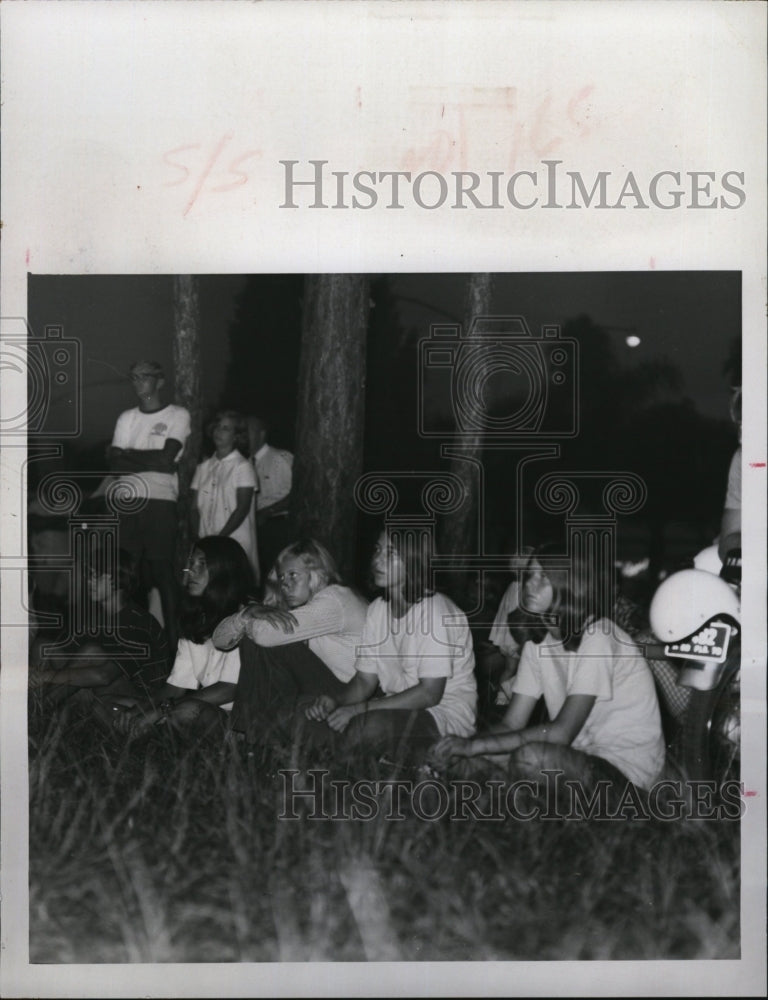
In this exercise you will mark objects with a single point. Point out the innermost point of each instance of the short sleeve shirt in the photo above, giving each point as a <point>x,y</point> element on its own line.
<point>149,432</point>
<point>199,665</point>
<point>624,725</point>
<point>431,640</point>
<point>216,481</point>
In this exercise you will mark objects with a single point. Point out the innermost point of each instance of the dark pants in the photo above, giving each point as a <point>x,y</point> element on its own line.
<point>273,679</point>
<point>150,536</point>
<point>401,734</point>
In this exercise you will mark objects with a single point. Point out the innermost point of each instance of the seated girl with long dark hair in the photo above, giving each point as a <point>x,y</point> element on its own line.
<point>415,653</point>
<point>598,689</point>
<point>200,688</point>
<point>301,641</point>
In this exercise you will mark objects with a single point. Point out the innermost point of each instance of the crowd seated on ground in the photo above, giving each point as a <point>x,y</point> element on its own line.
<point>312,662</point>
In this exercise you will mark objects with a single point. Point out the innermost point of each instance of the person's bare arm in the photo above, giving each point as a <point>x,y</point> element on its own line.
<point>563,729</point>
<point>243,501</point>
<point>357,692</point>
<point>730,532</point>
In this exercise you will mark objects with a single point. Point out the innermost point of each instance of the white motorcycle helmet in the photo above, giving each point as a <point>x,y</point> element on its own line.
<point>709,560</point>
<point>687,600</point>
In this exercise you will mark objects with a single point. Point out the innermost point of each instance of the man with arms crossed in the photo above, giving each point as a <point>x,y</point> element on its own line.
<point>148,442</point>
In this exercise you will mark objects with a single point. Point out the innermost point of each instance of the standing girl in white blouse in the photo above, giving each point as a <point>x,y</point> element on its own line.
<point>222,489</point>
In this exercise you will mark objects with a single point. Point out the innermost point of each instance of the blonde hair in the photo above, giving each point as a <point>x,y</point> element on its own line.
<point>317,559</point>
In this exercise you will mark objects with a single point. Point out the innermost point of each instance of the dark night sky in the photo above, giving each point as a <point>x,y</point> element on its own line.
<point>688,317</point>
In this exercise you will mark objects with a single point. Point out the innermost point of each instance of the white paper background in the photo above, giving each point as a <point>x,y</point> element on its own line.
<point>96,95</point>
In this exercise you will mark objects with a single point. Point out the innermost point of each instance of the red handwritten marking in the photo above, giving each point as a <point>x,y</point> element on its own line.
<point>200,179</point>
<point>652,263</point>
<point>208,168</point>
<point>359,93</point>
<point>26,257</point>
<point>240,174</point>
<point>452,128</point>
<point>178,166</point>
<point>749,795</point>
<point>757,465</point>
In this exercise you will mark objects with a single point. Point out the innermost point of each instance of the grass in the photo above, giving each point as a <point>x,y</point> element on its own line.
<point>140,853</point>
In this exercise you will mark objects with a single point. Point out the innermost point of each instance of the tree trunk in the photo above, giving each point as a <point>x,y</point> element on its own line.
<point>331,412</point>
<point>461,534</point>
<point>186,363</point>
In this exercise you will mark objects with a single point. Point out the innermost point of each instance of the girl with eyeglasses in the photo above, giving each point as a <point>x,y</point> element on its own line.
<point>301,641</point>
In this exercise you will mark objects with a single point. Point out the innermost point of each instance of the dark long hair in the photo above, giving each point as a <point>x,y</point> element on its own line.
<point>414,547</point>
<point>581,594</point>
<point>230,585</point>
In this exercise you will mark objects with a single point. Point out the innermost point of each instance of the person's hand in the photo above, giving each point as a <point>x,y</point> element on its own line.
<point>320,708</point>
<point>341,717</point>
<point>449,746</point>
<point>511,663</point>
<point>274,616</point>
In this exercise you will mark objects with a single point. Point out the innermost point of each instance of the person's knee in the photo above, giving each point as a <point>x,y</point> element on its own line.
<point>535,757</point>
<point>368,729</point>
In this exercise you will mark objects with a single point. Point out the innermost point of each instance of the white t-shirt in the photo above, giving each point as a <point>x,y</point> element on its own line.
<point>200,664</point>
<point>149,432</point>
<point>624,726</point>
<point>500,635</point>
<point>274,469</point>
<point>331,624</point>
<point>217,481</point>
<point>432,639</point>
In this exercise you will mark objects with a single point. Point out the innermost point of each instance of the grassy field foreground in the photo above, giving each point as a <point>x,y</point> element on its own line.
<point>140,854</point>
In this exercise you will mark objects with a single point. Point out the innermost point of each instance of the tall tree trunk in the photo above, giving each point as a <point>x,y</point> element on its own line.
<point>331,411</point>
<point>186,363</point>
<point>460,534</point>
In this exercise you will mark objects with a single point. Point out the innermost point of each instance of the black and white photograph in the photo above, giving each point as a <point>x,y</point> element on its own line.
<point>377,583</point>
